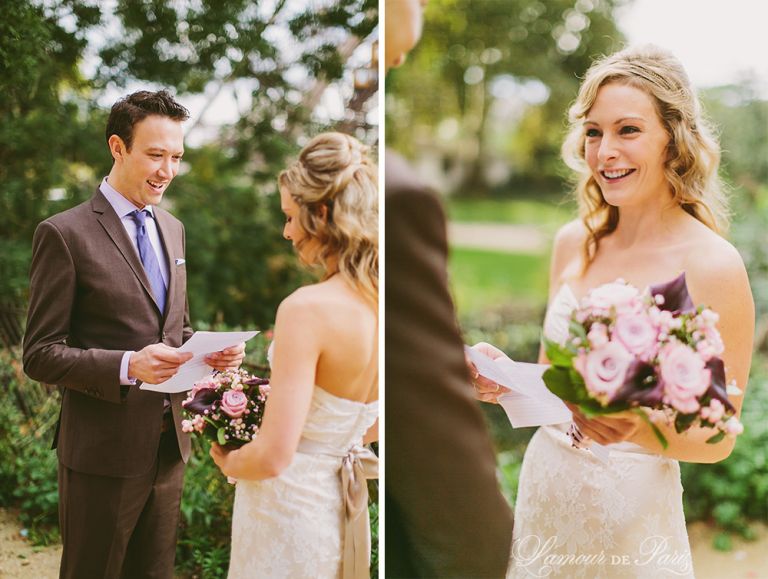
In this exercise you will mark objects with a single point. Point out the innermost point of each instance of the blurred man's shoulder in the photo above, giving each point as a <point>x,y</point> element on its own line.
<point>401,178</point>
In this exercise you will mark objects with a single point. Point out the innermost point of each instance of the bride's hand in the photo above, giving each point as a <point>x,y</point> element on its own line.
<point>486,390</point>
<point>223,458</point>
<point>607,429</point>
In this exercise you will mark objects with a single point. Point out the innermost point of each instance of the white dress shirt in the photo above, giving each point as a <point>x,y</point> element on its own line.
<point>123,207</point>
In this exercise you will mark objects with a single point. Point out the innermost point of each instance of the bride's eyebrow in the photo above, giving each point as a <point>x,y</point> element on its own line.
<point>616,122</point>
<point>632,118</point>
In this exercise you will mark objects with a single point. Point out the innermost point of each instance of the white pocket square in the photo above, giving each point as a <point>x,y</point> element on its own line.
<point>180,261</point>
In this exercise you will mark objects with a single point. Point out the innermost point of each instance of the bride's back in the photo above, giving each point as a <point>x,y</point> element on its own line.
<point>346,327</point>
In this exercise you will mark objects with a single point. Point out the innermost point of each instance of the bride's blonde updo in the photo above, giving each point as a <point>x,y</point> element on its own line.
<point>334,171</point>
<point>693,153</point>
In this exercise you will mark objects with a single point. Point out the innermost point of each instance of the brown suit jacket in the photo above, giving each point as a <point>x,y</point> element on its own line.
<point>445,514</point>
<point>90,301</point>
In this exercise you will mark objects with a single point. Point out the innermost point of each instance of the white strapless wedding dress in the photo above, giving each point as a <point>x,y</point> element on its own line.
<point>292,526</point>
<point>578,517</point>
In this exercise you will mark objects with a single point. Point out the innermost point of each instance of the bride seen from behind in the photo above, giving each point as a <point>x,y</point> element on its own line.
<point>289,511</point>
<point>650,208</point>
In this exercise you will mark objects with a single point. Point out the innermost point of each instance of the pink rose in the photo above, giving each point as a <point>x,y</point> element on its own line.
<point>685,376</point>
<point>618,295</point>
<point>234,403</point>
<point>637,334</point>
<point>604,369</point>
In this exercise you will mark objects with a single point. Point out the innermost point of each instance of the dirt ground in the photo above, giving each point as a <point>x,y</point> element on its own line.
<point>747,560</point>
<point>20,560</point>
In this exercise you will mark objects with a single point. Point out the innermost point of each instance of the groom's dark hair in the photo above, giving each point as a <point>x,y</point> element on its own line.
<point>136,107</point>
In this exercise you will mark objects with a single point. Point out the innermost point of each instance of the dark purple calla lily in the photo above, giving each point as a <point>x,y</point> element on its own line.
<point>256,381</point>
<point>203,400</point>
<point>717,389</point>
<point>675,294</point>
<point>641,386</point>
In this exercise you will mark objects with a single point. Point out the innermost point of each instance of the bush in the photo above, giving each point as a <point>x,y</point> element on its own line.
<point>735,491</point>
<point>28,477</point>
<point>206,517</point>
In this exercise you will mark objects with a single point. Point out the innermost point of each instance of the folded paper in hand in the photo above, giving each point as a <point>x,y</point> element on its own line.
<point>200,344</point>
<point>529,402</point>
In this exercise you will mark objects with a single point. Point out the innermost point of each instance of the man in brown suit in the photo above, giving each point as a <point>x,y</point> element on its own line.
<point>445,515</point>
<point>108,310</point>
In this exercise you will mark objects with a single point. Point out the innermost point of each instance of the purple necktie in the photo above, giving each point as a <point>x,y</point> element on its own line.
<point>149,258</point>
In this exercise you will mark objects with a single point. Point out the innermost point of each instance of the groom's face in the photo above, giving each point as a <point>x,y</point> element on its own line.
<point>143,173</point>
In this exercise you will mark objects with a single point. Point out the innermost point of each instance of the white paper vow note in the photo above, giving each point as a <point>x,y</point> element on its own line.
<point>200,344</point>
<point>529,402</point>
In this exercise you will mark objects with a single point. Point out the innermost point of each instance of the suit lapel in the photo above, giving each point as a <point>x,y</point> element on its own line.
<point>114,228</point>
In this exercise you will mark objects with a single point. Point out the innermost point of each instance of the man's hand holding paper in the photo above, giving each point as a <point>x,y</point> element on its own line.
<point>210,350</point>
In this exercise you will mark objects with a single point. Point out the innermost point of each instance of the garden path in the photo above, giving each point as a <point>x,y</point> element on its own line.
<point>498,237</point>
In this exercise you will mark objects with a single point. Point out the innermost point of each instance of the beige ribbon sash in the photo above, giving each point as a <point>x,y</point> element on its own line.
<point>357,465</point>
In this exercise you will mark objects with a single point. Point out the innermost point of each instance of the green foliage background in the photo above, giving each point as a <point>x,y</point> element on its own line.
<point>62,64</point>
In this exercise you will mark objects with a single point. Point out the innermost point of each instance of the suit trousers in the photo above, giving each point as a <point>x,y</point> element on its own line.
<point>122,528</point>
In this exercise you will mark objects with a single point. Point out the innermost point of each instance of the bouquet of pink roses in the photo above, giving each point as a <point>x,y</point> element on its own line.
<point>226,408</point>
<point>627,350</point>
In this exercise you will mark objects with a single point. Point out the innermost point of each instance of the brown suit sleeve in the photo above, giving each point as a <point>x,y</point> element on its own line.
<point>47,357</point>
<point>445,515</point>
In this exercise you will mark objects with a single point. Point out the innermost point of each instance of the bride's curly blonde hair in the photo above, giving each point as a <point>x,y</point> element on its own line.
<point>693,153</point>
<point>334,171</point>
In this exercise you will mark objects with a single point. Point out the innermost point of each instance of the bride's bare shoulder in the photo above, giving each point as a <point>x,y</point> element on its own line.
<point>572,233</point>
<point>567,247</point>
<point>324,302</point>
<point>308,297</point>
<point>715,269</point>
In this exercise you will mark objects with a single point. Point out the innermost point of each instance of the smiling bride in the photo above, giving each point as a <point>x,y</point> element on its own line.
<point>650,208</point>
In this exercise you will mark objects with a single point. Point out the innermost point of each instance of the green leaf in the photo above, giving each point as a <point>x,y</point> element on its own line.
<point>557,354</point>
<point>716,438</point>
<point>559,383</point>
<point>659,436</point>
<point>684,421</point>
<point>220,436</point>
<point>577,330</point>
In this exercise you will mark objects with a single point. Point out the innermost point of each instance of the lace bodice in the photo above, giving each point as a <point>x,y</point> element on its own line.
<point>336,421</point>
